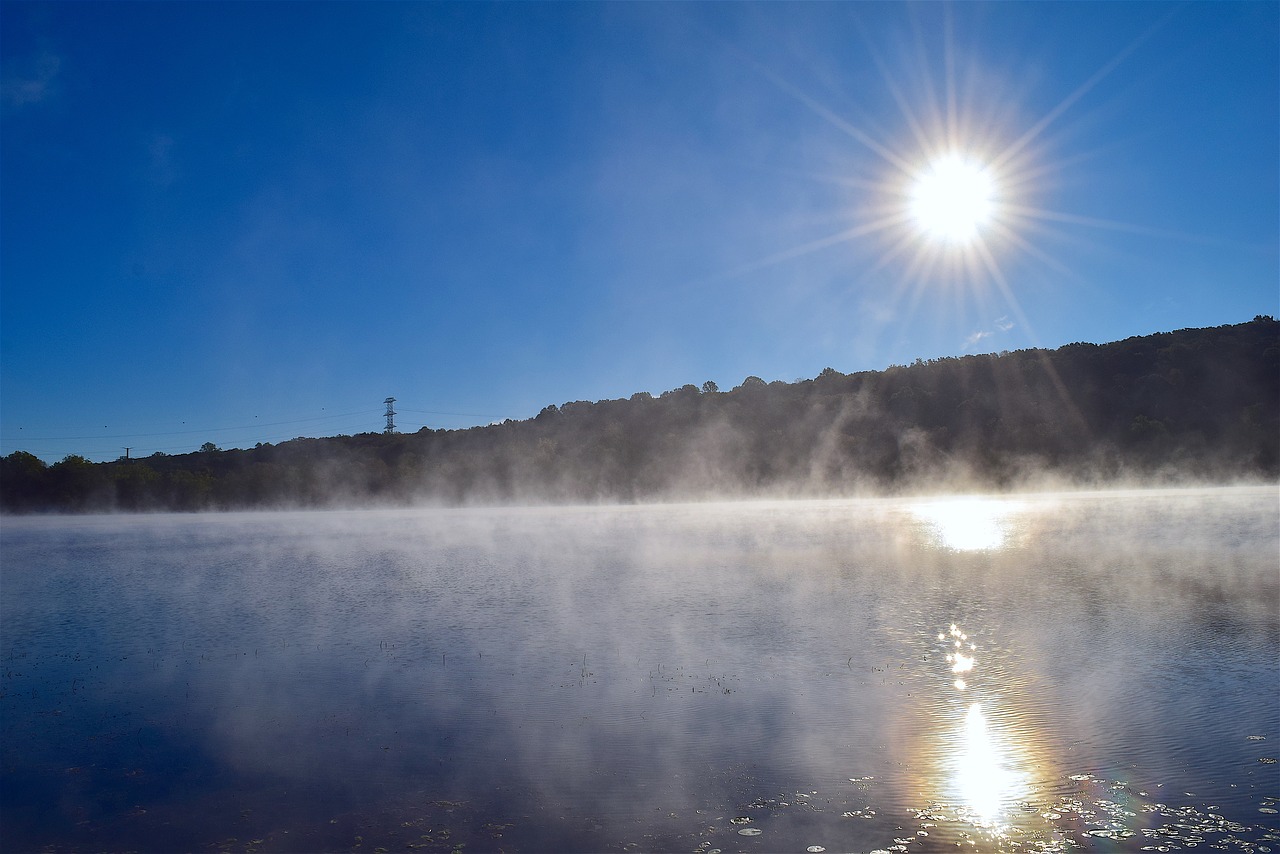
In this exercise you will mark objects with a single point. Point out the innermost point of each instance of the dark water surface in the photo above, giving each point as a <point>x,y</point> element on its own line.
<point>1042,673</point>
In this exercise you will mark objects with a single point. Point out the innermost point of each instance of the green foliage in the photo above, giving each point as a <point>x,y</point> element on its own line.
<point>1194,404</point>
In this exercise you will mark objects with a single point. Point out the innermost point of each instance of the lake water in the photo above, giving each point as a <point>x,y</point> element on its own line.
<point>1046,673</point>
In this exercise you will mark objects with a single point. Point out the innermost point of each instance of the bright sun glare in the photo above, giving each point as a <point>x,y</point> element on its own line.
<point>952,199</point>
<point>968,523</point>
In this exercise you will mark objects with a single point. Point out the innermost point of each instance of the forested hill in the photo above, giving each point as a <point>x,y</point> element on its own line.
<point>1193,405</point>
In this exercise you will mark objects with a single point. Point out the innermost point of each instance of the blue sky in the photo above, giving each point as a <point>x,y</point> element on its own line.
<point>248,222</point>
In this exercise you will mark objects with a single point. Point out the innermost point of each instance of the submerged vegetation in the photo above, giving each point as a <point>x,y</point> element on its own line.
<point>1196,404</point>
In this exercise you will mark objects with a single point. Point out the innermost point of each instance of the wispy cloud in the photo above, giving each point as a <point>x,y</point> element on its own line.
<point>976,337</point>
<point>1002,324</point>
<point>29,82</point>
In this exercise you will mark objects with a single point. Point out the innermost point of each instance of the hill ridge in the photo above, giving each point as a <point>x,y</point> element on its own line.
<point>1188,405</point>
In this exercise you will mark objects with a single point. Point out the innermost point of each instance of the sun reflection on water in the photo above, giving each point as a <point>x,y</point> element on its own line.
<point>968,523</point>
<point>984,773</point>
<point>983,764</point>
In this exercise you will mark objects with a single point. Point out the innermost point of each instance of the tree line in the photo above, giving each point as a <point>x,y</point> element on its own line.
<point>1192,405</point>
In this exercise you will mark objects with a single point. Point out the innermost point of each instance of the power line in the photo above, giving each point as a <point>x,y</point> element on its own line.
<point>96,450</point>
<point>463,414</point>
<point>93,444</point>
<point>249,444</point>
<point>184,432</point>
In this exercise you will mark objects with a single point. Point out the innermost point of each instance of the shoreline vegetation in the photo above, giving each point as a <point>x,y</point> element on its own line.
<point>1191,406</point>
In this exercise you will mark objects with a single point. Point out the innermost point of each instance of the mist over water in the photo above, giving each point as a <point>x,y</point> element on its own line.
<point>1046,671</point>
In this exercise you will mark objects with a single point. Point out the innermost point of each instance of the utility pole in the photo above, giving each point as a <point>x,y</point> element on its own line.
<point>126,453</point>
<point>391,415</point>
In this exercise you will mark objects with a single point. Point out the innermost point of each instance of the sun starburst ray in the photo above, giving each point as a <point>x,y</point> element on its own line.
<point>1012,236</point>
<point>844,236</point>
<point>836,121</point>
<point>1126,227</point>
<point>1080,91</point>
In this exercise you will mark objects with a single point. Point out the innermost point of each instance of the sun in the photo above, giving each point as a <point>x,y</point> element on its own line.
<point>952,199</point>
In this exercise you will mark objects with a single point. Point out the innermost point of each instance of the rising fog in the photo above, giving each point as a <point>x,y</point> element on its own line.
<point>593,675</point>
